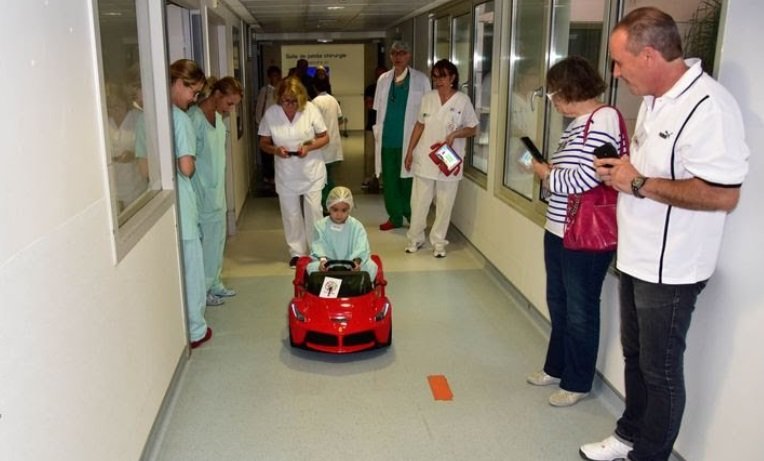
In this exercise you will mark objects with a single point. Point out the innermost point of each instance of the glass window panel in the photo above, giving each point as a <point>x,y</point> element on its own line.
<point>460,57</point>
<point>579,29</point>
<point>483,54</point>
<point>526,109</point>
<point>442,39</point>
<point>133,164</point>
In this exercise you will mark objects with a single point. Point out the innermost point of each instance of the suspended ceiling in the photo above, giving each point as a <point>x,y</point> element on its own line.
<point>331,17</point>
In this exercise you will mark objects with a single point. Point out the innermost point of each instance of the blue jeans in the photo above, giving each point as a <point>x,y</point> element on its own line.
<point>573,286</point>
<point>654,323</point>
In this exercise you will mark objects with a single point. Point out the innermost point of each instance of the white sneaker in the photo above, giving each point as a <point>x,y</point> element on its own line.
<point>610,449</point>
<point>214,301</point>
<point>563,398</point>
<point>224,292</point>
<point>540,378</point>
<point>439,251</point>
<point>413,247</point>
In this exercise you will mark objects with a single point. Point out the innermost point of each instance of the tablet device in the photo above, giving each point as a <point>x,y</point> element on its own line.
<point>532,149</point>
<point>449,158</point>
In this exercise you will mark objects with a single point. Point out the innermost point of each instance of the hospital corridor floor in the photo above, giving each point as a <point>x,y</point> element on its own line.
<point>247,395</point>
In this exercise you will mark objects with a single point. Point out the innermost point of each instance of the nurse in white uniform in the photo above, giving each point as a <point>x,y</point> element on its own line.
<point>293,131</point>
<point>445,116</point>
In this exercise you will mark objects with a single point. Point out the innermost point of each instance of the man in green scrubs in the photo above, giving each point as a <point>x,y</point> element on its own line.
<point>396,100</point>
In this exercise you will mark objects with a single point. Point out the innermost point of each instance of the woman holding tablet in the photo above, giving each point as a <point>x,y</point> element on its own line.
<point>446,118</point>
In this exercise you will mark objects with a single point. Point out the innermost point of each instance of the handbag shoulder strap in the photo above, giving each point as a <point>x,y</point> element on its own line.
<point>623,148</point>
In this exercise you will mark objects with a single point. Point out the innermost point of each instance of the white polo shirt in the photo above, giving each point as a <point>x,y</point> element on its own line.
<point>694,130</point>
<point>295,175</point>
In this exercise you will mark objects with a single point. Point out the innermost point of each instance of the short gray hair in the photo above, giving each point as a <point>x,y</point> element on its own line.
<point>648,26</point>
<point>400,45</point>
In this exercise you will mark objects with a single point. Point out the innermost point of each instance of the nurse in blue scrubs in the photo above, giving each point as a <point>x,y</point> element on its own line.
<point>186,81</point>
<point>209,180</point>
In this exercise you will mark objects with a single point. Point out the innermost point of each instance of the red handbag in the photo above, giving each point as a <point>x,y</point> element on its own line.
<point>590,224</point>
<point>590,221</point>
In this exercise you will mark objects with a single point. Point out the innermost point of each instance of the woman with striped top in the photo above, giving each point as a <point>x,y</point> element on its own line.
<point>574,278</point>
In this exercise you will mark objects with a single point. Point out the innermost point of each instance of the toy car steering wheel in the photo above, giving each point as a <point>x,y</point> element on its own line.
<point>334,265</point>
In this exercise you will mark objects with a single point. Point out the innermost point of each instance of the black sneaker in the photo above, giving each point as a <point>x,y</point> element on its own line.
<point>293,261</point>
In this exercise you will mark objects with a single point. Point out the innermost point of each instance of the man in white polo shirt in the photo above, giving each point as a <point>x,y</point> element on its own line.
<point>688,161</point>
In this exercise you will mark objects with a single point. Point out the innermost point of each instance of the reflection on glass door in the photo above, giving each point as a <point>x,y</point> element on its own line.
<point>442,39</point>
<point>578,30</point>
<point>481,83</point>
<point>460,49</point>
<point>526,109</point>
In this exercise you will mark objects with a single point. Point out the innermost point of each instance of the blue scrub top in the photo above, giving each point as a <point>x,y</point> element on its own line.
<point>185,144</point>
<point>209,180</point>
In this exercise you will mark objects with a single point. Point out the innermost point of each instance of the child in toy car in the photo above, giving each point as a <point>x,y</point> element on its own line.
<point>340,236</point>
<point>339,304</point>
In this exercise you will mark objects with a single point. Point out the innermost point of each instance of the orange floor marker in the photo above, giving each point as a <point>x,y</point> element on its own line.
<point>440,388</point>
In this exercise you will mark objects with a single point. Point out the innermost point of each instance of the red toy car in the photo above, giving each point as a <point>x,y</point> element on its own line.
<point>358,317</point>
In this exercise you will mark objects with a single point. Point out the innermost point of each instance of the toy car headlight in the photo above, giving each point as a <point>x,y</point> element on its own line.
<point>296,312</point>
<point>382,312</point>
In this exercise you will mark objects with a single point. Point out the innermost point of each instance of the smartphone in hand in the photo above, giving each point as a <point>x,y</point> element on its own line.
<point>532,149</point>
<point>606,151</point>
<point>531,152</point>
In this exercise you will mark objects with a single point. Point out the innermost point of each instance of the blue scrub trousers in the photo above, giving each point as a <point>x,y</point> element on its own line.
<point>196,288</point>
<point>213,246</point>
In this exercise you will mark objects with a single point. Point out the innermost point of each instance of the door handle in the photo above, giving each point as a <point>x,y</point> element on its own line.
<point>537,93</point>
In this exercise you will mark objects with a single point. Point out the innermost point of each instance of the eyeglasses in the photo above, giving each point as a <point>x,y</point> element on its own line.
<point>551,95</point>
<point>289,101</point>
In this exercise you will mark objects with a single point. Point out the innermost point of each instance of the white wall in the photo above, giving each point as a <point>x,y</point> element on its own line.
<point>88,347</point>
<point>239,165</point>
<point>723,367</point>
<point>725,370</point>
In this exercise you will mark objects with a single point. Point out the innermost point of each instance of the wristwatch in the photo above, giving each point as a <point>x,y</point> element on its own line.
<point>636,184</point>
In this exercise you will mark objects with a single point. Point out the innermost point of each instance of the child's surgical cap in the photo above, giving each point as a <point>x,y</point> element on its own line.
<point>339,194</point>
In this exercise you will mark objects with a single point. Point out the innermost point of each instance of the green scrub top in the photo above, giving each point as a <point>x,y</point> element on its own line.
<point>395,115</point>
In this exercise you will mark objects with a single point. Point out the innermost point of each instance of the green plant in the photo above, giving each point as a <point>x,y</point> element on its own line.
<point>701,37</point>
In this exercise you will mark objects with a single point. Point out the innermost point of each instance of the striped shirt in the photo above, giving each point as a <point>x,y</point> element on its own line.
<point>573,164</point>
